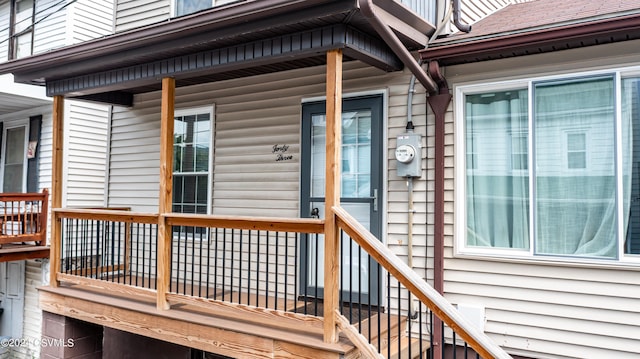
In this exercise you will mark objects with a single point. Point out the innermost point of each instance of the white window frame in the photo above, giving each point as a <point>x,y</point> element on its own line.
<point>25,163</point>
<point>460,243</point>
<point>518,135</point>
<point>567,151</point>
<point>22,28</point>
<point>214,3</point>
<point>197,111</point>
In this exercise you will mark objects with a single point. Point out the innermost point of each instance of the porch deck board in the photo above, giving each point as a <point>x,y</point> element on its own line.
<point>209,292</point>
<point>16,252</point>
<point>205,328</point>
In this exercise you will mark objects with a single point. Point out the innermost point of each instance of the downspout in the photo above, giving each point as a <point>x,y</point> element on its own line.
<point>438,99</point>
<point>420,74</point>
<point>439,104</point>
<point>456,17</point>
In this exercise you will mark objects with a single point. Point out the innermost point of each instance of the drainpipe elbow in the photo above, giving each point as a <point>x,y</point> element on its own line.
<point>456,18</point>
<point>367,8</point>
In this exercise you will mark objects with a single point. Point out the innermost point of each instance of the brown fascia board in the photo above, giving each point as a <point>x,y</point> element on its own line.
<point>536,41</point>
<point>219,17</point>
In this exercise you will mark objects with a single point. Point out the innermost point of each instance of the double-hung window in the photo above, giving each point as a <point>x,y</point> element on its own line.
<point>556,167</point>
<point>22,29</point>
<point>192,159</point>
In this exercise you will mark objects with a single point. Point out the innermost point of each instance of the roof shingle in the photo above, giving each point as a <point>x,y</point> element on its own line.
<point>538,14</point>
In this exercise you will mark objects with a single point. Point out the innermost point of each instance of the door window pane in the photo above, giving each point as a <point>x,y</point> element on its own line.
<point>356,154</point>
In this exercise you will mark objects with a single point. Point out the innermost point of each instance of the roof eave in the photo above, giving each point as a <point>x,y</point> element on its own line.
<point>235,13</point>
<point>535,41</point>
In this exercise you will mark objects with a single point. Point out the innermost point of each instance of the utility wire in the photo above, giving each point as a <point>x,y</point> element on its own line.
<point>30,27</point>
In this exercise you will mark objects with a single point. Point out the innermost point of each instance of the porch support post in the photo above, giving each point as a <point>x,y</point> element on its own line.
<point>332,193</point>
<point>56,190</point>
<point>166,190</point>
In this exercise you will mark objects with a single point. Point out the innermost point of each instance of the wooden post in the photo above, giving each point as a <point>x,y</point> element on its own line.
<point>166,189</point>
<point>332,194</point>
<point>56,190</point>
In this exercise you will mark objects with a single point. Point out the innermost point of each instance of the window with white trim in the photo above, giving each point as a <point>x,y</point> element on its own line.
<point>576,150</point>
<point>580,195</point>
<point>192,158</point>
<point>184,7</point>
<point>21,29</point>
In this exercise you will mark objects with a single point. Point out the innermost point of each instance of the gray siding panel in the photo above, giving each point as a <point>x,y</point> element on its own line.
<point>135,13</point>
<point>91,19</point>
<point>51,26</point>
<point>86,153</point>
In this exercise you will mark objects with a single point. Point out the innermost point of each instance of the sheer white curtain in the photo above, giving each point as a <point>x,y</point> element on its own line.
<point>575,211</point>
<point>497,170</point>
<point>631,164</point>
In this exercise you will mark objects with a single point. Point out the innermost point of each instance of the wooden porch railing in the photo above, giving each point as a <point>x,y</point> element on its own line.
<point>418,289</point>
<point>23,217</point>
<point>248,268</point>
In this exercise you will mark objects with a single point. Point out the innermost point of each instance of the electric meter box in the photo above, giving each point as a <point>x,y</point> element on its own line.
<point>408,155</point>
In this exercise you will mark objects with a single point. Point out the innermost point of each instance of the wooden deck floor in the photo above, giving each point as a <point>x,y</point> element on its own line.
<point>227,330</point>
<point>18,251</point>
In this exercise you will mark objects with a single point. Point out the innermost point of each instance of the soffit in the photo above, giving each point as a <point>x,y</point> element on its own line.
<point>242,39</point>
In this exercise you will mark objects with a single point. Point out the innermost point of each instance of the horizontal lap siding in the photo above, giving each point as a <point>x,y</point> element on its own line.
<point>51,26</point>
<point>543,309</point>
<point>86,151</point>
<point>91,19</point>
<point>546,306</point>
<point>134,156</point>
<point>135,13</point>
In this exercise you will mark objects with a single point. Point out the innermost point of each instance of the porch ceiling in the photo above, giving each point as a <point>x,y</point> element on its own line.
<point>10,103</point>
<point>240,39</point>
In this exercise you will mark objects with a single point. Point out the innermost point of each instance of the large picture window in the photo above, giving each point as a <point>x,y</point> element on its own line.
<point>577,198</point>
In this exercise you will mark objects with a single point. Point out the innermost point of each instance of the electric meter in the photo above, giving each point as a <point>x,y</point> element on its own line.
<point>408,155</point>
<point>405,153</point>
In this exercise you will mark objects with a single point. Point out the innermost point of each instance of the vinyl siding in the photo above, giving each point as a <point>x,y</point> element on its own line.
<point>4,30</point>
<point>544,308</point>
<point>91,19</point>
<point>134,13</point>
<point>50,28</point>
<point>86,149</point>
<point>32,315</point>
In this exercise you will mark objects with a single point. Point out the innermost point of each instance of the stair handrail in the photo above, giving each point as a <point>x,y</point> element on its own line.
<point>418,287</point>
